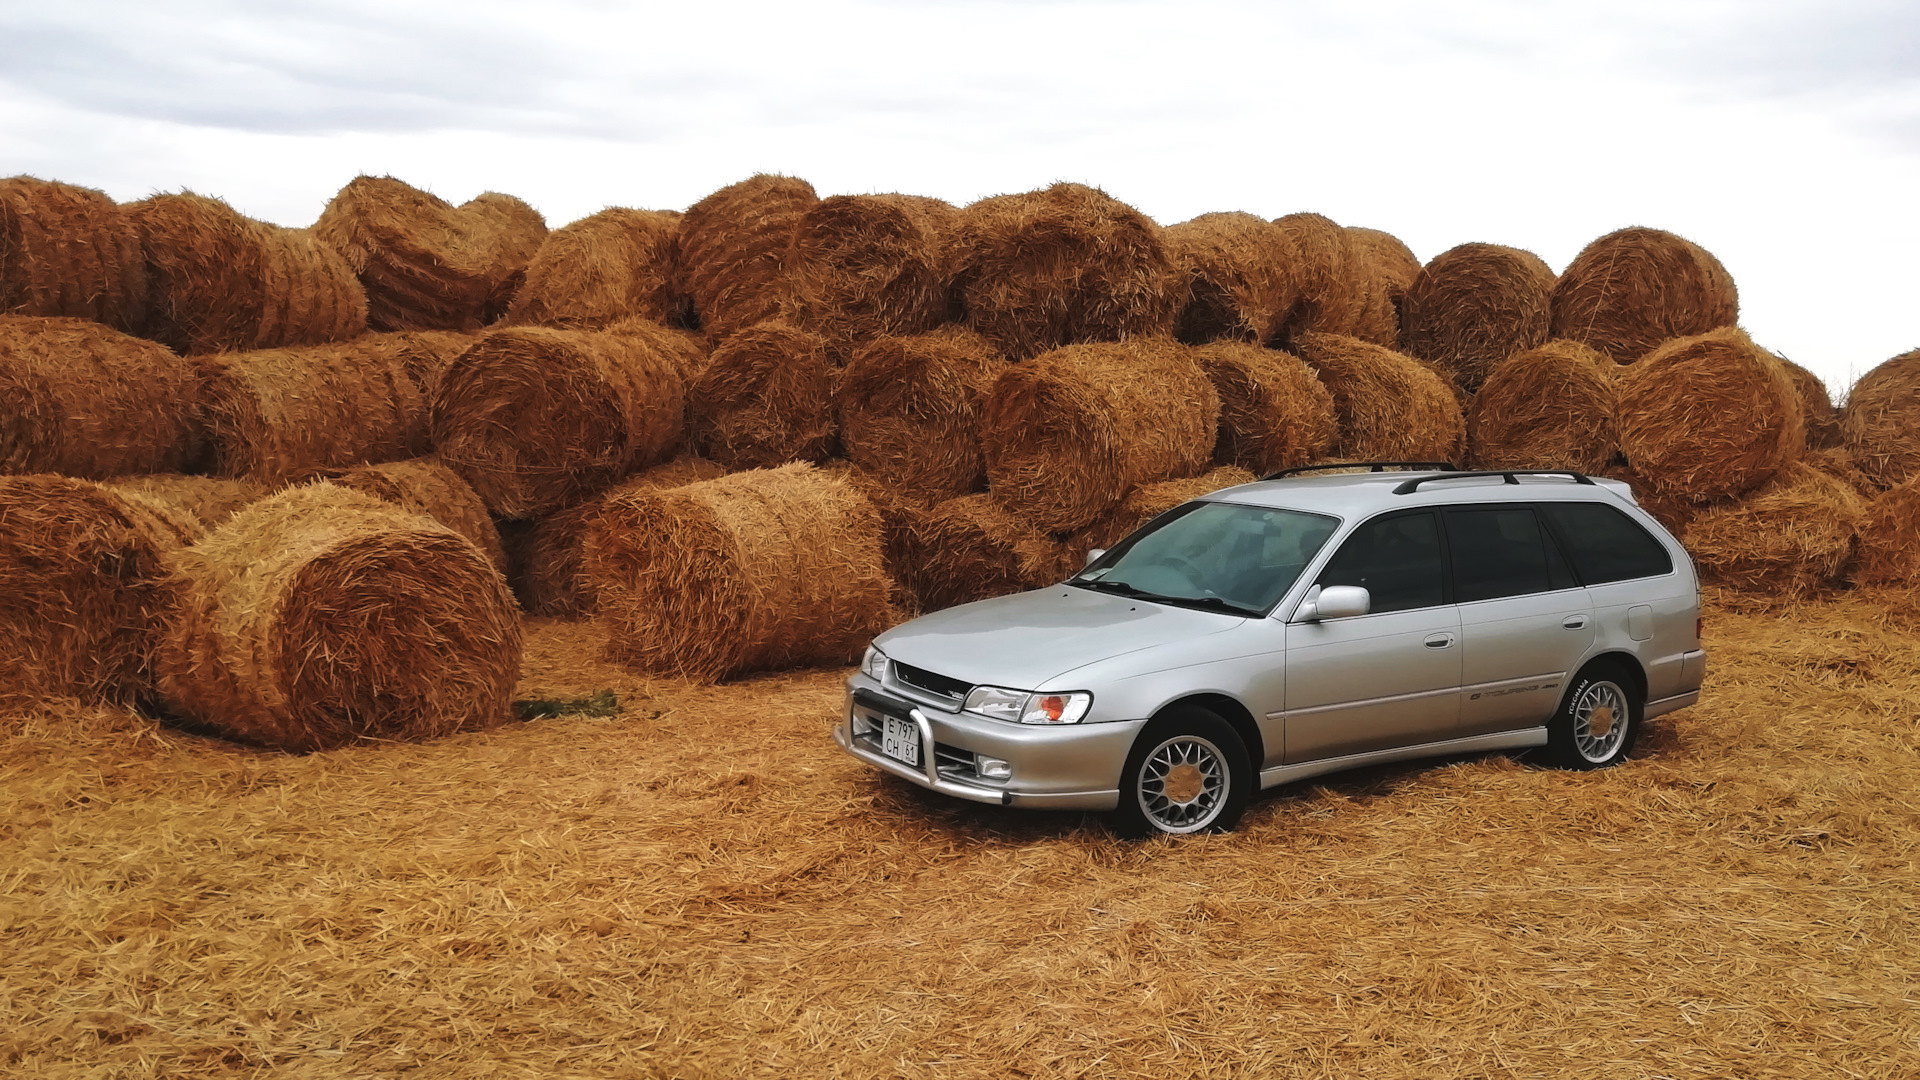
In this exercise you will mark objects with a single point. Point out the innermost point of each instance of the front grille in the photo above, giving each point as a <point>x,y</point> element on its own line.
<point>954,762</point>
<point>931,682</point>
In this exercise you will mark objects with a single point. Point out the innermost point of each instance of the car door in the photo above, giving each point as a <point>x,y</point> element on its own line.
<point>1525,623</point>
<point>1390,677</point>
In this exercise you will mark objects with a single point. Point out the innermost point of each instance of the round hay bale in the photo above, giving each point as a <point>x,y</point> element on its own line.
<point>546,564</point>
<point>322,617</point>
<point>211,500</point>
<point>1549,407</point>
<point>764,398</point>
<point>83,399</point>
<point>1881,422</point>
<point>425,486</point>
<point>733,249</point>
<point>1709,417</point>
<point>273,414</point>
<point>1069,433</point>
<point>1330,276</point>
<point>1630,290</point>
<point>1475,305</point>
<point>69,252</point>
<point>1274,411</point>
<point>865,266</point>
<point>536,418</point>
<point>1143,504</point>
<point>205,261</point>
<point>1064,265</point>
<point>309,294</point>
<point>425,263</point>
<point>1386,405</point>
<point>85,588</point>
<point>909,410</point>
<point>1237,268</point>
<point>1816,405</point>
<point>971,548</point>
<point>764,569</point>
<point>616,264</point>
<point>1787,538</point>
<point>1390,270</point>
<point>1888,551</point>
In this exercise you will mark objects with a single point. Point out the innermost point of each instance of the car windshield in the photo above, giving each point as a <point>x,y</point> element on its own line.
<point>1217,556</point>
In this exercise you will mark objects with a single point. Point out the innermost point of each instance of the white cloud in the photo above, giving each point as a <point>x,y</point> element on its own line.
<point>1784,136</point>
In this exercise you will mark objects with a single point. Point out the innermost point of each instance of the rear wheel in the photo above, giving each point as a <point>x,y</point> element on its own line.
<point>1598,720</point>
<point>1188,773</point>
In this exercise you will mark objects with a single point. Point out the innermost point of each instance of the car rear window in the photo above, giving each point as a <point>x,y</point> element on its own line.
<point>1605,544</point>
<point>1501,551</point>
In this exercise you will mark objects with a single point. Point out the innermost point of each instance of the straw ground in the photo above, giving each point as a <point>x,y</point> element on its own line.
<point>702,886</point>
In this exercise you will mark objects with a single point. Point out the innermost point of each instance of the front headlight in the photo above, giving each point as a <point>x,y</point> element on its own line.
<point>1019,706</point>
<point>874,664</point>
<point>997,702</point>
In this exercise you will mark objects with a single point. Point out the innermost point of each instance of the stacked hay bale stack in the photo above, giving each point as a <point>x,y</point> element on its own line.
<point>426,264</point>
<point>69,252</point>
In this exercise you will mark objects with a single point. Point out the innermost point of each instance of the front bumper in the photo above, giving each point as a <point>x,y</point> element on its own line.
<point>1068,767</point>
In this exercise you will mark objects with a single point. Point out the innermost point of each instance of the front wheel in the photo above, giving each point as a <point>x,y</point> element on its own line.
<point>1597,722</point>
<point>1188,773</point>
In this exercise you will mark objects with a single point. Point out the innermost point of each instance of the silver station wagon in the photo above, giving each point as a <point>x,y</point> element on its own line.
<point>1308,623</point>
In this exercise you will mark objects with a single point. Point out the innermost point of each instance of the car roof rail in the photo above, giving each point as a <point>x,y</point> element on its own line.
<point>1370,466</point>
<point>1511,476</point>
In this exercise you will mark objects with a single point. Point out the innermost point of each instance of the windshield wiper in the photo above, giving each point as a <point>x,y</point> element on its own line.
<point>1201,603</point>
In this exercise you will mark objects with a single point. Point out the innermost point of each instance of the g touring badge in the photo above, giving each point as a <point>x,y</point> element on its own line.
<point>1514,690</point>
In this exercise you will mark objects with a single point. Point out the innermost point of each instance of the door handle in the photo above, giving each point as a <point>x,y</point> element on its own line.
<point>1439,641</point>
<point>1574,622</point>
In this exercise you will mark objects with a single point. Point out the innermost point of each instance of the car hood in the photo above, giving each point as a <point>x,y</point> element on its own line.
<point>1026,640</point>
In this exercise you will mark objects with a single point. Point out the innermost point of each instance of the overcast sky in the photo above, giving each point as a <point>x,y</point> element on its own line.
<point>1784,135</point>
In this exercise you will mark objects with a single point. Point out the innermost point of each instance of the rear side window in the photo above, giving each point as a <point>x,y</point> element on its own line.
<point>1605,544</point>
<point>1396,559</point>
<point>1501,551</point>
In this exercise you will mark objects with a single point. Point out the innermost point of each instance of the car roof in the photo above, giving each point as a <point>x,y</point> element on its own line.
<point>1361,494</point>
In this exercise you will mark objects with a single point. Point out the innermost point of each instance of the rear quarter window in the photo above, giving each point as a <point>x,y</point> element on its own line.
<point>1605,544</point>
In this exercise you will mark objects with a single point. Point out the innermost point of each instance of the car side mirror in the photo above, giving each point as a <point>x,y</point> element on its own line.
<point>1335,602</point>
<point>1094,553</point>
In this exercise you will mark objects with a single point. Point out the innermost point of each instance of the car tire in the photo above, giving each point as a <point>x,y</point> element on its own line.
<point>1189,772</point>
<point>1598,720</point>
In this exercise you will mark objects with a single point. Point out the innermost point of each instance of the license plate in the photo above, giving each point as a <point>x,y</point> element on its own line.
<point>900,741</point>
